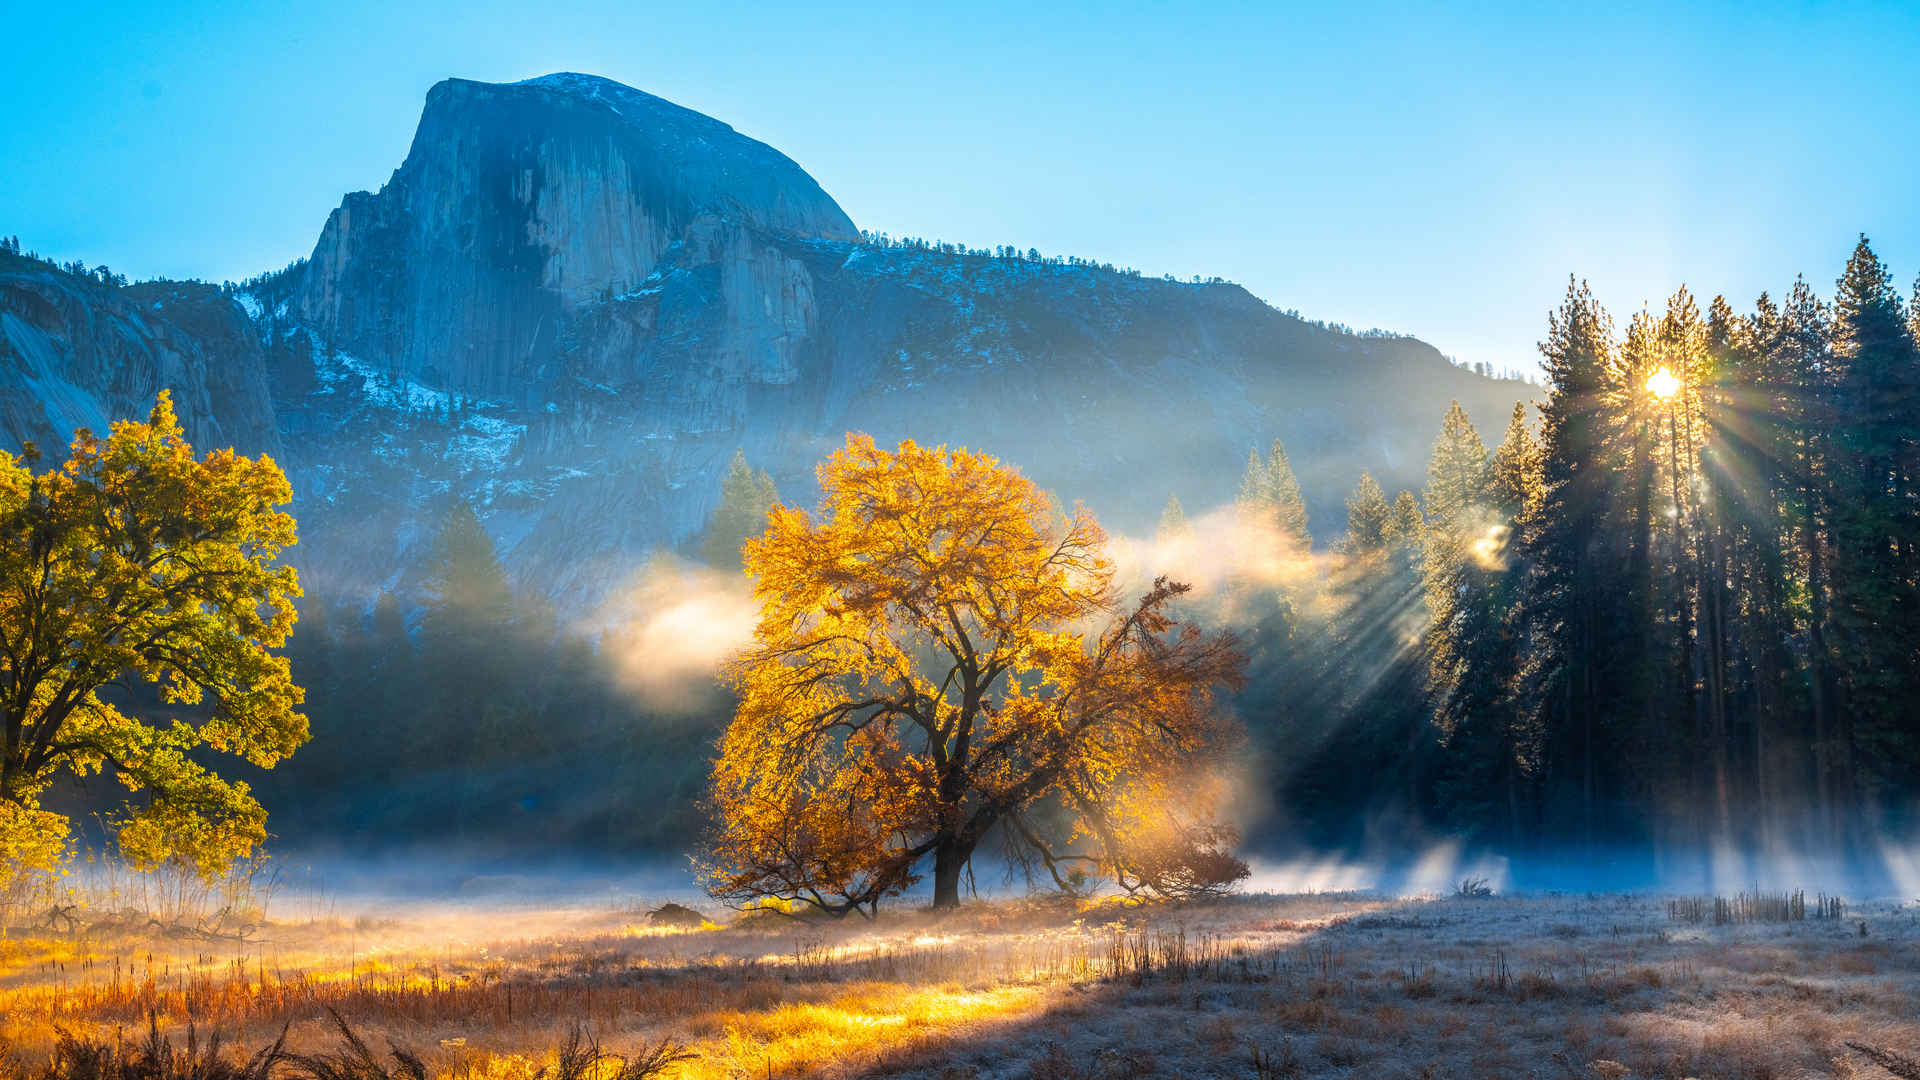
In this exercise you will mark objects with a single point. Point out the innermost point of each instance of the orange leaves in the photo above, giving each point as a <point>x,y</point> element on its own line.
<point>929,661</point>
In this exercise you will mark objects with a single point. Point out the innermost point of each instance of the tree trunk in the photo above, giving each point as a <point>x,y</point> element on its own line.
<point>949,858</point>
<point>1819,680</point>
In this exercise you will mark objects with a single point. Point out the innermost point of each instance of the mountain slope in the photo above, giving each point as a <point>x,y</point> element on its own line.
<point>574,300</point>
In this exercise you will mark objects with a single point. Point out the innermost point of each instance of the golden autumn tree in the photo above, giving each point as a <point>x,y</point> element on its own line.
<point>136,562</point>
<point>939,660</point>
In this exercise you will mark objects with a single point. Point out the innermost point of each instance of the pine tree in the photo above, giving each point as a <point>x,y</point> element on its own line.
<point>1471,590</point>
<point>464,575</point>
<point>1406,528</point>
<point>1368,517</point>
<point>1913,306</point>
<point>1255,498</point>
<point>1695,564</point>
<point>1572,607</point>
<point>1283,488</point>
<point>1802,367</point>
<point>1876,533</point>
<point>1513,475</point>
<point>469,631</point>
<point>746,498</point>
<point>1749,471</point>
<point>391,690</point>
<point>1457,474</point>
<point>1373,668</point>
<point>1173,522</point>
<point>1270,496</point>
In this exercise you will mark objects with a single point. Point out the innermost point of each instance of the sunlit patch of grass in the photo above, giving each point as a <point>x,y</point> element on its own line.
<point>638,931</point>
<point>22,956</point>
<point>850,1029</point>
<point>1098,906</point>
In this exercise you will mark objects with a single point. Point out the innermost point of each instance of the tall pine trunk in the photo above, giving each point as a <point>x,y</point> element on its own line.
<point>1709,593</point>
<point>1820,674</point>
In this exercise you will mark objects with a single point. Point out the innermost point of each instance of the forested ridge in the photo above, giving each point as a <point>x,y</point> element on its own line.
<point>1673,600</point>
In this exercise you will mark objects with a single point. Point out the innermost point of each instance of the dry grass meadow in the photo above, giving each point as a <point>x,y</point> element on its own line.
<point>1327,985</point>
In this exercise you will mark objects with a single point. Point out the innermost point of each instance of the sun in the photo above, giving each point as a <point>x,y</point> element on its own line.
<point>1662,384</point>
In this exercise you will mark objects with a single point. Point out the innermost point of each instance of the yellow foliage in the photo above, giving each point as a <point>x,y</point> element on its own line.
<point>939,654</point>
<point>135,559</point>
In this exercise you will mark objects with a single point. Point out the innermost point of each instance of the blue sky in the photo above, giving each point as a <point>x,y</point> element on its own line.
<point>1434,171</point>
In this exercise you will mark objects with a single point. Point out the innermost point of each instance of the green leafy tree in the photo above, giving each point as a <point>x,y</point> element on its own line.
<point>136,563</point>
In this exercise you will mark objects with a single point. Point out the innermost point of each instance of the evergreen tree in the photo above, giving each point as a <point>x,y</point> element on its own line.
<point>1749,469</point>
<point>1457,474</point>
<point>1697,724</point>
<point>1173,522</point>
<point>1802,367</point>
<point>1255,498</point>
<point>1513,475</point>
<point>464,575</point>
<point>1699,588</point>
<point>1406,528</point>
<point>1471,589</point>
<point>746,497</point>
<point>468,633</point>
<point>1270,496</point>
<point>1876,533</point>
<point>390,689</point>
<point>1379,736</point>
<point>1572,610</point>
<point>1289,508</point>
<point>1368,517</point>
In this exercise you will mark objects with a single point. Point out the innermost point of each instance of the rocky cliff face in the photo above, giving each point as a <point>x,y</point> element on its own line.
<point>573,301</point>
<point>520,203</point>
<point>77,354</point>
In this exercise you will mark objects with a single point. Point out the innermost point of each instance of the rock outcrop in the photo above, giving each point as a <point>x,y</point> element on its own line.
<point>520,203</point>
<point>78,354</point>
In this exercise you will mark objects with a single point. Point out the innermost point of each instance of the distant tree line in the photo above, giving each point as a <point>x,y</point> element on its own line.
<point>101,275</point>
<point>1012,253</point>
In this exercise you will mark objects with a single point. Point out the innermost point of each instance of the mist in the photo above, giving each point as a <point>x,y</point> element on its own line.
<point>1227,557</point>
<point>670,628</point>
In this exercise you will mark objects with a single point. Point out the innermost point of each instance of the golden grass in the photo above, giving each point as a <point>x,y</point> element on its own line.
<point>1309,986</point>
